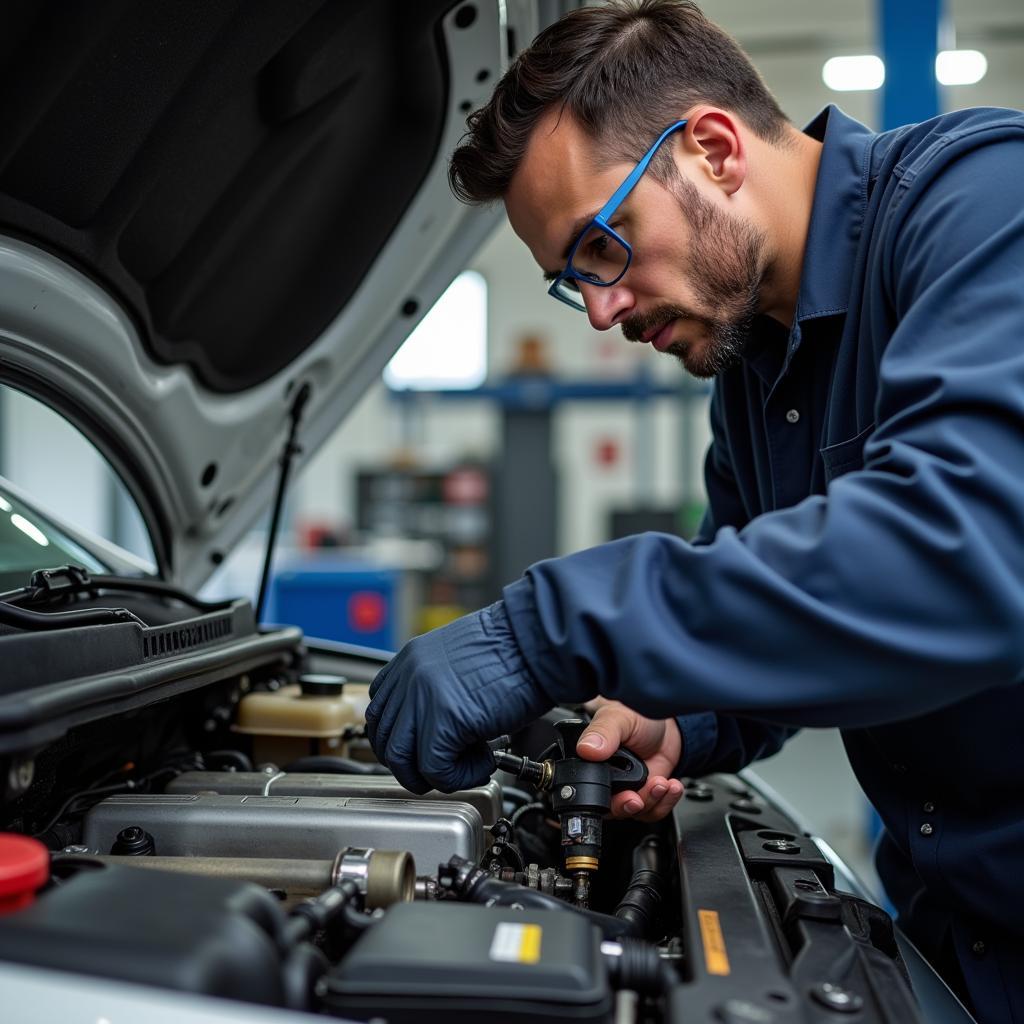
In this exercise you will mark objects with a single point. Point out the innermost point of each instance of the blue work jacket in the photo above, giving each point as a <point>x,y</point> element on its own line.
<point>861,564</point>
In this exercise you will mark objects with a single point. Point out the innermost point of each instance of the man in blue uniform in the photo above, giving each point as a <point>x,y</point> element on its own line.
<point>858,299</point>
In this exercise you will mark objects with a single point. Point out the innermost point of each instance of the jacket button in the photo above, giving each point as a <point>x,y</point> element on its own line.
<point>927,829</point>
<point>928,807</point>
<point>978,948</point>
<point>792,416</point>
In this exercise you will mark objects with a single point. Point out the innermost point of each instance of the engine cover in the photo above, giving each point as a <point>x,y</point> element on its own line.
<point>222,825</point>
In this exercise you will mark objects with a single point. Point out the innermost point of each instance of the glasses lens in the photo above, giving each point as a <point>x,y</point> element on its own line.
<point>568,291</point>
<point>600,257</point>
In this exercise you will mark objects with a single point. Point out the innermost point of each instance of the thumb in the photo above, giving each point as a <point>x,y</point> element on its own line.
<point>607,731</point>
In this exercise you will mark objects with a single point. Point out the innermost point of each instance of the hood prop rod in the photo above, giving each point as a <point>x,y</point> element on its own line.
<point>288,453</point>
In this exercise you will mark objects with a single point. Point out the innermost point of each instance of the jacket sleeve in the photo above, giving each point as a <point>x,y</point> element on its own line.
<point>898,592</point>
<point>714,741</point>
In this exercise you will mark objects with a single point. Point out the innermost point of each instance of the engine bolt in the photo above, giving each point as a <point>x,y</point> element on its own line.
<point>836,998</point>
<point>781,846</point>
<point>567,792</point>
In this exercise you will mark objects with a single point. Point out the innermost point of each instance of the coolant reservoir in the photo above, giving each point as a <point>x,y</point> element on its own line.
<point>311,716</point>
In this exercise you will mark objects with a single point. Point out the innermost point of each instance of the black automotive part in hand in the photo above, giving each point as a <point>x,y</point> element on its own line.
<point>581,793</point>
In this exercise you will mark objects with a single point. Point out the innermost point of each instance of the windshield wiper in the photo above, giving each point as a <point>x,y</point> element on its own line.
<point>23,618</point>
<point>47,584</point>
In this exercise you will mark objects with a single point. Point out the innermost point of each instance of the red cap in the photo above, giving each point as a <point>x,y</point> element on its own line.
<point>24,868</point>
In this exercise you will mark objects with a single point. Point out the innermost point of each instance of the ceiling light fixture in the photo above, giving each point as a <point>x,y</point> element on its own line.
<point>960,67</point>
<point>852,74</point>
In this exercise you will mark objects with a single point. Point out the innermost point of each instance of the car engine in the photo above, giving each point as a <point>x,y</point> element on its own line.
<point>192,805</point>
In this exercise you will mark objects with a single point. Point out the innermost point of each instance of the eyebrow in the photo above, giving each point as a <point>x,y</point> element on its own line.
<point>574,232</point>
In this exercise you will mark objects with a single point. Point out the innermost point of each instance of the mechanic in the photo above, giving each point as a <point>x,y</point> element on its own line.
<point>858,299</point>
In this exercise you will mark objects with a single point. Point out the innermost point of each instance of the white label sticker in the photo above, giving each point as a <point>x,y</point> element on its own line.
<point>516,943</point>
<point>575,827</point>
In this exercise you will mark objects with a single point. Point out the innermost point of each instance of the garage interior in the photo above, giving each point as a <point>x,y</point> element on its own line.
<point>524,434</point>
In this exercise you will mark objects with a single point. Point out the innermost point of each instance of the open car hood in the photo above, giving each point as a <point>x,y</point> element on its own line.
<point>205,206</point>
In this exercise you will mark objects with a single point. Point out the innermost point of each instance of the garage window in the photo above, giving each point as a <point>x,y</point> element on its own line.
<point>448,349</point>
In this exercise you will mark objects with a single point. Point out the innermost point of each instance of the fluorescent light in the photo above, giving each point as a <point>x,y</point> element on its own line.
<point>448,349</point>
<point>30,529</point>
<point>960,67</point>
<point>4,505</point>
<point>849,74</point>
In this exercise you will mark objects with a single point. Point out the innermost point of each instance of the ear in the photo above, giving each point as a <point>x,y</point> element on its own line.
<point>715,139</point>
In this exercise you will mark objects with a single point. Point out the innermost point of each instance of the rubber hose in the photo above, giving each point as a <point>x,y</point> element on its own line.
<point>641,903</point>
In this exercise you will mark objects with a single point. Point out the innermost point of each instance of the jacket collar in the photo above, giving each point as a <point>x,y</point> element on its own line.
<point>837,214</point>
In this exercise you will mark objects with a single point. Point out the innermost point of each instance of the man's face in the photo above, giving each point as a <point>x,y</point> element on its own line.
<point>694,282</point>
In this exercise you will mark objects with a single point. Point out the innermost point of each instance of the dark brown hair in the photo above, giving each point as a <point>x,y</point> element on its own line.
<point>624,71</point>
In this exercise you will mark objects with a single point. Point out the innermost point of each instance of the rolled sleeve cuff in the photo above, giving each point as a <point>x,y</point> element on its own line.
<point>700,734</point>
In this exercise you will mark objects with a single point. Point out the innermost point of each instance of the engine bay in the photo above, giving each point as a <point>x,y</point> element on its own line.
<point>210,819</point>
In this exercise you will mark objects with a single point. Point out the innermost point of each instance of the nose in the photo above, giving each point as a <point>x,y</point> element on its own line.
<point>606,307</point>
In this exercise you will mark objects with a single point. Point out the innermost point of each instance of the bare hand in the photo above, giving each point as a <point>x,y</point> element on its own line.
<point>658,742</point>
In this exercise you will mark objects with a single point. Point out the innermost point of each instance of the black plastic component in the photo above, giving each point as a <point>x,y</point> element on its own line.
<point>495,965</point>
<point>315,684</point>
<point>503,854</point>
<point>825,952</point>
<point>204,935</point>
<point>581,791</point>
<point>133,841</point>
<point>625,769</point>
<point>639,967</point>
<point>521,767</point>
<point>61,580</point>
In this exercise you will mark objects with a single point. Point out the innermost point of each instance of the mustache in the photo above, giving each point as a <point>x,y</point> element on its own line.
<point>637,326</point>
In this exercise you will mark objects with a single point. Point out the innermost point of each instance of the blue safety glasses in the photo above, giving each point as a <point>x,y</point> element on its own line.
<point>600,255</point>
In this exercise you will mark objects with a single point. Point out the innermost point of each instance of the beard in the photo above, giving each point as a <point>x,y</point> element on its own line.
<point>727,267</point>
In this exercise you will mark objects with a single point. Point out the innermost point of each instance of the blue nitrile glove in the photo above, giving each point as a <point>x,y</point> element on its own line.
<point>439,700</point>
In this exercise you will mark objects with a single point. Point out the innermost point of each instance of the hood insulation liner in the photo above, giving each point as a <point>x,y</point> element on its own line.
<point>229,168</point>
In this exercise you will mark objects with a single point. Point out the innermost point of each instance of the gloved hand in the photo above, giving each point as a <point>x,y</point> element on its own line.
<point>434,706</point>
<point>658,741</point>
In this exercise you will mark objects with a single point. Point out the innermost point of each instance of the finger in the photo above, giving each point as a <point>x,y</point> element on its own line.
<point>611,726</point>
<point>660,807</point>
<point>450,770</point>
<point>381,689</point>
<point>627,804</point>
<point>659,795</point>
<point>401,753</point>
<point>388,711</point>
<point>384,674</point>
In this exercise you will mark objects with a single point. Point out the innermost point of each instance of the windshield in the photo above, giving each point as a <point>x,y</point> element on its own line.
<point>29,541</point>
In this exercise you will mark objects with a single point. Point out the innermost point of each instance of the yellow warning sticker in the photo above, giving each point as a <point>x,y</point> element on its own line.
<point>516,943</point>
<point>715,957</point>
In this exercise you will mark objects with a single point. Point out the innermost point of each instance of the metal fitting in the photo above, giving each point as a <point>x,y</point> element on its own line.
<point>382,876</point>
